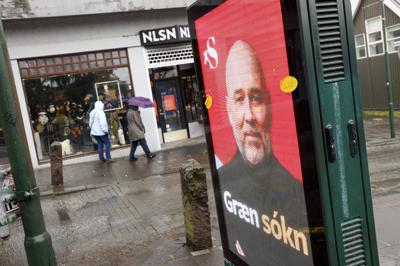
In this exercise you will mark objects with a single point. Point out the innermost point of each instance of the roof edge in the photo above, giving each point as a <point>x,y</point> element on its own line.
<point>355,4</point>
<point>392,5</point>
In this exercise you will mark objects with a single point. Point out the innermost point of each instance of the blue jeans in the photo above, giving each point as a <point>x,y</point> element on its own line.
<point>142,143</point>
<point>103,140</point>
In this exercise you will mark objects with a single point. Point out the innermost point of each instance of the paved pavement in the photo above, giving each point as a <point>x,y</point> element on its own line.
<point>136,222</point>
<point>126,213</point>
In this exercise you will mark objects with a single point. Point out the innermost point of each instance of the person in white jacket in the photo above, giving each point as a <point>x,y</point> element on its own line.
<point>99,130</point>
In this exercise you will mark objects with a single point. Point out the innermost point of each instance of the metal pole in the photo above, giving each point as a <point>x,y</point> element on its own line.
<point>388,74</point>
<point>38,246</point>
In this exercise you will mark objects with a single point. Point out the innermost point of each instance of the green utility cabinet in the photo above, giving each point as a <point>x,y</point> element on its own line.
<point>284,131</point>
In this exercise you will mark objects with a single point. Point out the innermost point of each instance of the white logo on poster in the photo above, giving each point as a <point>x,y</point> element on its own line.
<point>211,55</point>
<point>239,249</point>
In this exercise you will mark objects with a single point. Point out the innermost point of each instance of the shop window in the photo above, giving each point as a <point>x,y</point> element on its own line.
<point>374,36</point>
<point>41,62</point>
<point>361,50</point>
<point>164,72</point>
<point>58,60</point>
<point>59,105</point>
<point>46,66</point>
<point>393,38</point>
<point>191,93</point>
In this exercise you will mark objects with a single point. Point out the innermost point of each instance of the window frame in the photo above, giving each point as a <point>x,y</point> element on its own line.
<point>369,43</point>
<point>60,65</point>
<point>364,45</point>
<point>388,40</point>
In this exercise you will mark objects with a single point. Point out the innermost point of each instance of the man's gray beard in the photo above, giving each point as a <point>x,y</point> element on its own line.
<point>251,155</point>
<point>254,156</point>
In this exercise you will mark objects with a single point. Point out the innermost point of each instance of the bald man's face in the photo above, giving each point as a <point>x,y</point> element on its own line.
<point>247,103</point>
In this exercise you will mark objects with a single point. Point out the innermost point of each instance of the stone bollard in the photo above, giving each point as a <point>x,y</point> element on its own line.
<point>195,205</point>
<point>56,164</point>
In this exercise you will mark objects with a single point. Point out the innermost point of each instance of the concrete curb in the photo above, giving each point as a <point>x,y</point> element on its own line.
<point>68,190</point>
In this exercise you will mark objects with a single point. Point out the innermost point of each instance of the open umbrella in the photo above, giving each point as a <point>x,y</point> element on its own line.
<point>140,102</point>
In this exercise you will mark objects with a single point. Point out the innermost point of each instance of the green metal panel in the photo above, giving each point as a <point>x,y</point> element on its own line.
<point>362,144</point>
<point>312,86</point>
<point>228,263</point>
<point>335,103</point>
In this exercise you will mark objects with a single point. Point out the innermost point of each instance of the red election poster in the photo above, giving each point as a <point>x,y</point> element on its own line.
<point>243,57</point>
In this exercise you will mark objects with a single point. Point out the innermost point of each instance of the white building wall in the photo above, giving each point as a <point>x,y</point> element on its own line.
<point>55,8</point>
<point>142,87</point>
<point>52,36</point>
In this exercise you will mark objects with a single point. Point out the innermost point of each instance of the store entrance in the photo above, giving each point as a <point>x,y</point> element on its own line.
<point>170,109</point>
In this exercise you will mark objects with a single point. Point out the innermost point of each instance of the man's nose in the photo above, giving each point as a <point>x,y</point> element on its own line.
<point>249,116</point>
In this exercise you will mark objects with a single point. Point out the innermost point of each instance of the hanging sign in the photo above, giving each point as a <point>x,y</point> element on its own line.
<point>166,35</point>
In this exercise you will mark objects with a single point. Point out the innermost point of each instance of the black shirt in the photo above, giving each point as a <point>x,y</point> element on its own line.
<point>265,190</point>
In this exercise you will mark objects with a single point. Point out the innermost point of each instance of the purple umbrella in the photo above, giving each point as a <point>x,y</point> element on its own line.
<point>140,102</point>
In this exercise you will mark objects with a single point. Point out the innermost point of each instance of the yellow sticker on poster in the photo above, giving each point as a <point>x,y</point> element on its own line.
<point>209,101</point>
<point>289,84</point>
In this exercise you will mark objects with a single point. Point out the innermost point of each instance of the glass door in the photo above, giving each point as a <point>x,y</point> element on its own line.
<point>170,109</point>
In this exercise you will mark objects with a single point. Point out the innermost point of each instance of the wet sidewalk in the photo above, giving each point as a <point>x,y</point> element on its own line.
<point>121,213</point>
<point>130,213</point>
<point>96,173</point>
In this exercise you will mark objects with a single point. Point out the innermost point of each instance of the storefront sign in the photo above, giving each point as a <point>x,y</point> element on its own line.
<point>165,35</point>
<point>243,61</point>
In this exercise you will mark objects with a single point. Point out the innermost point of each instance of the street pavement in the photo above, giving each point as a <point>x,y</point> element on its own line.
<point>130,213</point>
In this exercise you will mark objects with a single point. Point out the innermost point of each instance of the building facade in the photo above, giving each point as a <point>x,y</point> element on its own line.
<point>370,49</point>
<point>67,55</point>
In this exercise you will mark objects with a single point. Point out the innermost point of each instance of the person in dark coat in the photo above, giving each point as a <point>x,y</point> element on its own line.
<point>136,132</point>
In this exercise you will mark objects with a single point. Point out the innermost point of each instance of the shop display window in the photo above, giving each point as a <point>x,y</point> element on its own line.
<point>59,105</point>
<point>191,93</point>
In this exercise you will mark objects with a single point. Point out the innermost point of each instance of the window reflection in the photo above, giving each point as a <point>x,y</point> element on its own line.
<point>59,109</point>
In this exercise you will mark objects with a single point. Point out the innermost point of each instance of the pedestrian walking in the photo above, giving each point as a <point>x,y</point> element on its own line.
<point>99,130</point>
<point>136,132</point>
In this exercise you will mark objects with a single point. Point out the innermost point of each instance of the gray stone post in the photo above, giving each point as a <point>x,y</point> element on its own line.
<point>56,164</point>
<point>195,205</point>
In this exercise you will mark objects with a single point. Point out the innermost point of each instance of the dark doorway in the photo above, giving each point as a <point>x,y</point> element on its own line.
<point>170,109</point>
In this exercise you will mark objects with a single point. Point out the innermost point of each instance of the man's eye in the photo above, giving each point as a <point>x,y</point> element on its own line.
<point>256,98</point>
<point>239,99</point>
